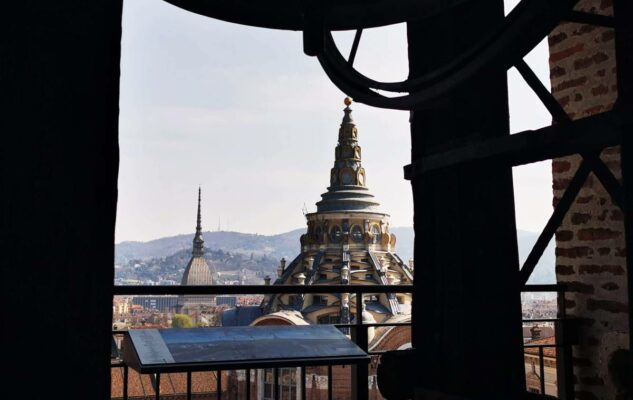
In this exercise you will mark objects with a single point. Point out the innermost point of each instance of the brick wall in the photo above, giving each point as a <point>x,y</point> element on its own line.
<point>590,248</point>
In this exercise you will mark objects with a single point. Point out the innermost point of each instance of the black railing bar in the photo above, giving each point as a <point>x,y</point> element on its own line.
<point>544,288</point>
<point>373,325</point>
<point>218,379</point>
<point>543,345</point>
<point>157,389</point>
<point>303,384</point>
<point>188,385</point>
<point>381,352</point>
<point>590,19</point>
<point>248,384</point>
<point>329,382</point>
<point>125,379</point>
<point>541,365</point>
<point>211,290</point>
<point>275,383</point>
<point>543,320</point>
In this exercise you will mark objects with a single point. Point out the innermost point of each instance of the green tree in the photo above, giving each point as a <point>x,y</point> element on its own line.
<point>181,321</point>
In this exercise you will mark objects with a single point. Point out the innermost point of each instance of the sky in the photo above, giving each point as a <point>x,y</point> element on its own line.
<point>242,112</point>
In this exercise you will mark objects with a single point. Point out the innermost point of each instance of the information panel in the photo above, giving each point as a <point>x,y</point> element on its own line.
<point>180,350</point>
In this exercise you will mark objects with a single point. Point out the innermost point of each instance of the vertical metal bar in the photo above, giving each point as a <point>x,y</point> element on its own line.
<point>248,384</point>
<point>329,382</point>
<point>564,365</point>
<point>623,13</point>
<point>157,390</point>
<point>125,379</point>
<point>276,383</point>
<point>303,383</point>
<point>360,371</point>
<point>188,385</point>
<point>354,49</point>
<point>541,365</point>
<point>219,386</point>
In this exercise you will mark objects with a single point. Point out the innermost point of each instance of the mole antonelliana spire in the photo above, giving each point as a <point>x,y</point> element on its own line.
<point>198,271</point>
<point>198,241</point>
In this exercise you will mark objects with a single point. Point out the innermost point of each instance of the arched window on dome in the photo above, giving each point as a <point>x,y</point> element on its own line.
<point>375,231</point>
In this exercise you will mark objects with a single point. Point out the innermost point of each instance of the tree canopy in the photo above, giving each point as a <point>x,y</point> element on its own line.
<point>181,321</point>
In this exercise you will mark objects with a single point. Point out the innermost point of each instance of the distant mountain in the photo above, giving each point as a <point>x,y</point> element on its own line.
<point>545,270</point>
<point>287,245</point>
<point>276,246</point>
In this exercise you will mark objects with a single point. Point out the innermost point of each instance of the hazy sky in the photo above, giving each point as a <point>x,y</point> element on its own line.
<point>244,113</point>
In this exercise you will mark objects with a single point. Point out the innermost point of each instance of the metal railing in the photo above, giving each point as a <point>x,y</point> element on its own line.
<point>562,344</point>
<point>359,329</point>
<point>359,333</point>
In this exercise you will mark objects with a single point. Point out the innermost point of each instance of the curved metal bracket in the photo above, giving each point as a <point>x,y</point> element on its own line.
<point>506,45</point>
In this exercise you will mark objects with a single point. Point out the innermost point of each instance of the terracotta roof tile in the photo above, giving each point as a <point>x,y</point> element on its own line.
<point>547,351</point>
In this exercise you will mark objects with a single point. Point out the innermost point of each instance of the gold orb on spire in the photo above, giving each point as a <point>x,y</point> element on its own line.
<point>348,101</point>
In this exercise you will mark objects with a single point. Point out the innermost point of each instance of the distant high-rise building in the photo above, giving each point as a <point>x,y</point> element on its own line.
<point>198,270</point>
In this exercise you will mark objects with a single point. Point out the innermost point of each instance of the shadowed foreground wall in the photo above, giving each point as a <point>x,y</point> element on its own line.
<point>59,85</point>
<point>590,244</point>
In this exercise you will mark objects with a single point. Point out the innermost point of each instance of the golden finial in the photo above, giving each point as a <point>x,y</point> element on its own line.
<point>348,101</point>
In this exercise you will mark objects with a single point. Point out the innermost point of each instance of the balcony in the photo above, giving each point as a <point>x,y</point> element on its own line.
<point>547,361</point>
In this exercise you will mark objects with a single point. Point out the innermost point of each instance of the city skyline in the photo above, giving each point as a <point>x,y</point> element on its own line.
<point>203,103</point>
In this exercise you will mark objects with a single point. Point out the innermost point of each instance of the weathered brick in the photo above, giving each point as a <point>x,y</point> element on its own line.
<point>604,251</point>
<point>564,101</point>
<point>565,269</point>
<point>564,236</point>
<point>600,269</point>
<point>620,252</point>
<point>570,83</point>
<point>599,90</point>
<point>584,199</point>
<point>593,110</point>
<point>606,305</point>
<point>580,218</point>
<point>597,234</point>
<point>617,215</point>
<point>560,184</point>
<point>603,215</point>
<point>557,72</point>
<point>559,166</point>
<point>574,252</point>
<point>608,35</point>
<point>579,287</point>
<point>584,29</point>
<point>610,286</point>
<point>555,39</point>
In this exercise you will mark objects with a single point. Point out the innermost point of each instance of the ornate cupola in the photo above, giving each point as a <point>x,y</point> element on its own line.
<point>347,190</point>
<point>347,242</point>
